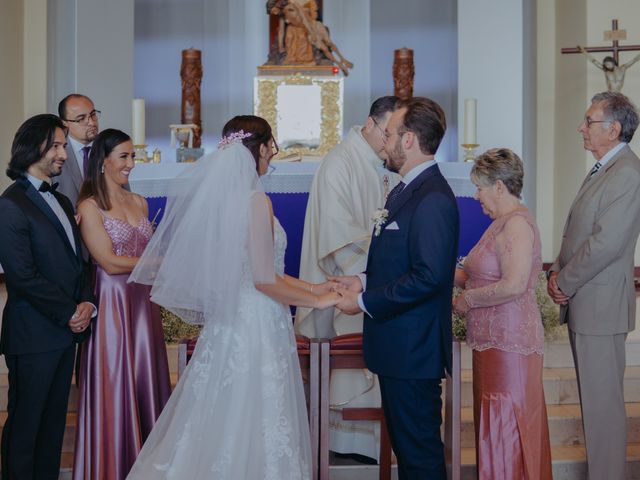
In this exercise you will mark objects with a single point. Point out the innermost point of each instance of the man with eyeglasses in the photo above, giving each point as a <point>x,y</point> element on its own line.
<point>80,117</point>
<point>348,188</point>
<point>592,278</point>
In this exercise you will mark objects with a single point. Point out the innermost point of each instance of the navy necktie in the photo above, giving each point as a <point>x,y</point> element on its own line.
<point>393,194</point>
<point>85,160</point>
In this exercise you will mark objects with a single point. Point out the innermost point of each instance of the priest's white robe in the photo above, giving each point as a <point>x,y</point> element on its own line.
<point>349,186</point>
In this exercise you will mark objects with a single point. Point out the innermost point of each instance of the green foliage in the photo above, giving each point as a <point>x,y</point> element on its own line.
<point>549,312</point>
<point>175,329</point>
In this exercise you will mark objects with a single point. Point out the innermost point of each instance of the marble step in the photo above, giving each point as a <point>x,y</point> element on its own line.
<point>560,385</point>
<point>565,425</point>
<point>557,353</point>
<point>172,357</point>
<point>73,393</point>
<point>568,464</point>
<point>69,433</point>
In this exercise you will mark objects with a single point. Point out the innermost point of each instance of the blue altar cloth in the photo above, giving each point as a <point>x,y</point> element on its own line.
<point>290,208</point>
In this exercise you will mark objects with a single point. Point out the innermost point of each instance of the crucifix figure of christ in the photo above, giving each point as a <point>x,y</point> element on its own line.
<point>613,71</point>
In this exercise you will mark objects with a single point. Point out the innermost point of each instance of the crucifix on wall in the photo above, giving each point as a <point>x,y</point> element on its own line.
<point>613,71</point>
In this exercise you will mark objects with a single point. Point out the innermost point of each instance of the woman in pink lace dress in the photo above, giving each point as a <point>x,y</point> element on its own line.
<point>504,328</point>
<point>124,376</point>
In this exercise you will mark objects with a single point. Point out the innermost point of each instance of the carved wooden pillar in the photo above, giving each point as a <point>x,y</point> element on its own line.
<point>403,72</point>
<point>191,76</point>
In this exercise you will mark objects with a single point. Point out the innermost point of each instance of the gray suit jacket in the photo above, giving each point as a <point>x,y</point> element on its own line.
<point>70,180</point>
<point>596,260</point>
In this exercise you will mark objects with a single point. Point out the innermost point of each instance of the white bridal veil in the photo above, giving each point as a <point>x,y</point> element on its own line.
<point>217,227</point>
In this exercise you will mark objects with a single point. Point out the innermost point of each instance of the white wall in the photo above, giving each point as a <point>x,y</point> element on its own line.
<point>490,68</point>
<point>90,44</point>
<point>11,79</point>
<point>233,37</point>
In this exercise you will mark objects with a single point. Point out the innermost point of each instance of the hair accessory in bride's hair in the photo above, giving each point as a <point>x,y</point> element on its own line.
<point>233,137</point>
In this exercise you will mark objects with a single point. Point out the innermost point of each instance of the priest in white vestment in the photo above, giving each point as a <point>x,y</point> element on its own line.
<point>348,188</point>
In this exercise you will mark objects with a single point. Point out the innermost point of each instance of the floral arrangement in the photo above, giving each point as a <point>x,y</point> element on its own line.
<point>175,329</point>
<point>549,312</point>
<point>379,219</point>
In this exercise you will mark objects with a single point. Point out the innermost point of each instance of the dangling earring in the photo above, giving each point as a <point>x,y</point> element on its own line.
<point>102,169</point>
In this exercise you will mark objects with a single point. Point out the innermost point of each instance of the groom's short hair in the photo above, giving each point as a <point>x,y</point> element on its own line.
<point>426,119</point>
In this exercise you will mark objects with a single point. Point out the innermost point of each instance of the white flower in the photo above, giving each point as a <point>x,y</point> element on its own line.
<point>379,219</point>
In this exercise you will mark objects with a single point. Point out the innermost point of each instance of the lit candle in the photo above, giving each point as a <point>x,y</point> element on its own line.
<point>138,121</point>
<point>469,137</point>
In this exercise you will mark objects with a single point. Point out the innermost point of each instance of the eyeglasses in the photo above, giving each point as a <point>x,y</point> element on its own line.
<point>588,122</point>
<point>274,147</point>
<point>84,119</point>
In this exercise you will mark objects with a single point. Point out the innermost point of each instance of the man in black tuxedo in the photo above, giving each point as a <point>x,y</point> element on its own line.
<point>406,290</point>
<point>49,299</point>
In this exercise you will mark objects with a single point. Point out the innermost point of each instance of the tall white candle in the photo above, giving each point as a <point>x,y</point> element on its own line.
<point>137,133</point>
<point>469,137</point>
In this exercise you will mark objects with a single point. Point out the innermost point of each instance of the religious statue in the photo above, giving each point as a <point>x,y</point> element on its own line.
<point>302,39</point>
<point>613,73</point>
<point>191,76</point>
<point>403,72</point>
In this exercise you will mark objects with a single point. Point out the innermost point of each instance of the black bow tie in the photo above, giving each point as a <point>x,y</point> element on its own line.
<point>46,187</point>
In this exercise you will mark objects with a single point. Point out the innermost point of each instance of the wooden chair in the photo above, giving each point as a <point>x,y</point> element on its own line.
<point>309,356</point>
<point>345,351</point>
<point>452,409</point>
<point>185,351</point>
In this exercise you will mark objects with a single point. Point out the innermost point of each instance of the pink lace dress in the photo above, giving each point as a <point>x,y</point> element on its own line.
<point>505,331</point>
<point>124,376</point>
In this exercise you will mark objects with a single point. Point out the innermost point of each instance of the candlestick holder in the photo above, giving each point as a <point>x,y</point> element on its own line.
<point>141,155</point>
<point>469,151</point>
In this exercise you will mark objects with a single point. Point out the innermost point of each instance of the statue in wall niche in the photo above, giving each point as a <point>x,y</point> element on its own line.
<point>613,73</point>
<point>301,38</point>
<point>191,78</point>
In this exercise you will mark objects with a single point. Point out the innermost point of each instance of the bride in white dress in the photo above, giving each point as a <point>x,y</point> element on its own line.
<point>217,258</point>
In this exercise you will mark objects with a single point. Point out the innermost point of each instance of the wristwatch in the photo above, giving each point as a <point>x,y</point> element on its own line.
<point>548,274</point>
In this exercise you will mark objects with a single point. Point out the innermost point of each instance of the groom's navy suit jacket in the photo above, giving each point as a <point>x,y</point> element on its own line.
<point>409,282</point>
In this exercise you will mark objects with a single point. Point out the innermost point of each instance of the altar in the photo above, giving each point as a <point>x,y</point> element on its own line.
<point>288,187</point>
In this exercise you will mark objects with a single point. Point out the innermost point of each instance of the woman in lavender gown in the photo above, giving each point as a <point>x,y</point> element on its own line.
<point>124,376</point>
<point>238,411</point>
<point>504,328</point>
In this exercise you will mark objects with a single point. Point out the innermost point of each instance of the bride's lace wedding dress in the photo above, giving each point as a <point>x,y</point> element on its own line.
<point>238,412</point>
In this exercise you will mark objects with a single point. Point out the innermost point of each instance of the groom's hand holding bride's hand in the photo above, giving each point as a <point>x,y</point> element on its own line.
<point>349,302</point>
<point>351,283</point>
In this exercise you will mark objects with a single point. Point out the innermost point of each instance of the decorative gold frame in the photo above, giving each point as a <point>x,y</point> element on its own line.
<point>331,89</point>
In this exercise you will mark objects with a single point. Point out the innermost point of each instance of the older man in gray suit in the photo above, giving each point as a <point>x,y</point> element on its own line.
<point>592,278</point>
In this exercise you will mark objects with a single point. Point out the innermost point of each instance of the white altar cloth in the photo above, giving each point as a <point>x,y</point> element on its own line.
<point>152,179</point>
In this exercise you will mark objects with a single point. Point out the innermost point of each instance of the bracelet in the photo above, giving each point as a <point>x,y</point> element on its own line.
<point>311,290</point>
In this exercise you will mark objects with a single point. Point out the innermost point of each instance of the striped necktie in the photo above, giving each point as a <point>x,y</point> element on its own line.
<point>595,169</point>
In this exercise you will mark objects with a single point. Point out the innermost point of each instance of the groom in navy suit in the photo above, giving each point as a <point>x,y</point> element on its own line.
<point>406,290</point>
<point>48,305</point>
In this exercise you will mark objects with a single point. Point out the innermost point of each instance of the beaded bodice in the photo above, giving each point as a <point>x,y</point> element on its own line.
<point>128,240</point>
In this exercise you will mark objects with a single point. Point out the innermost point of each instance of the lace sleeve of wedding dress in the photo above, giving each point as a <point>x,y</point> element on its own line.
<point>195,259</point>
<point>260,244</point>
<point>515,250</point>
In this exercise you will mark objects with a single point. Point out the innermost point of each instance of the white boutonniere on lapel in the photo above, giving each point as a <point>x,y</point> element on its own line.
<point>379,219</point>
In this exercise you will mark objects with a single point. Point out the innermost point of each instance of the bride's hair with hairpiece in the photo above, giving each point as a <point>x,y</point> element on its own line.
<point>259,129</point>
